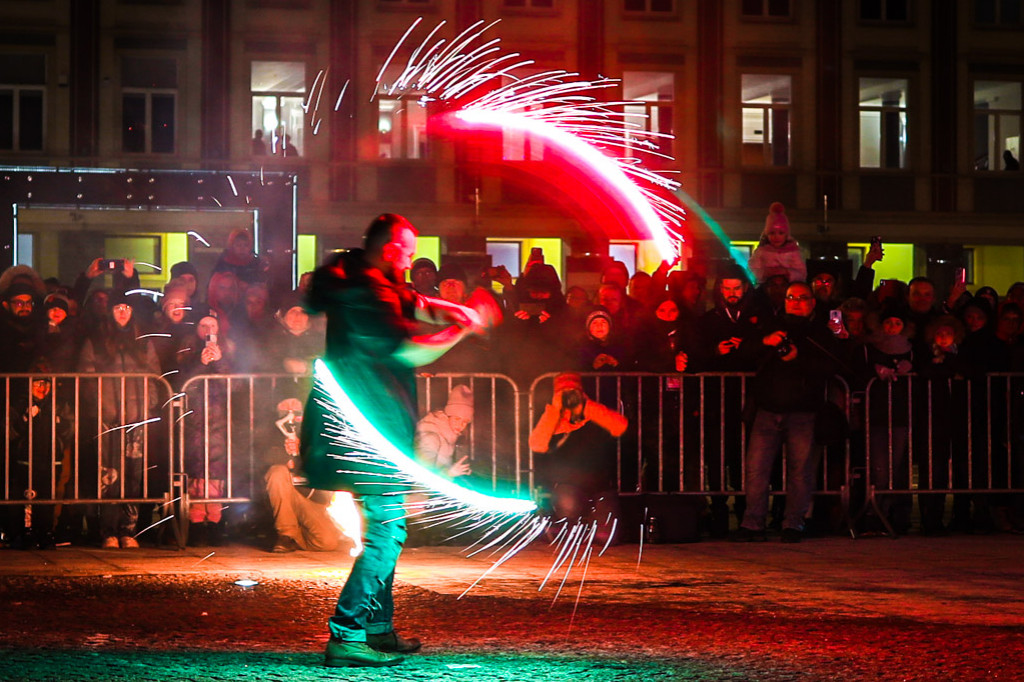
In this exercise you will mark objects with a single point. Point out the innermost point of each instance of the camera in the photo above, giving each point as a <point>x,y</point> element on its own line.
<point>835,316</point>
<point>211,339</point>
<point>112,264</point>
<point>784,347</point>
<point>572,399</point>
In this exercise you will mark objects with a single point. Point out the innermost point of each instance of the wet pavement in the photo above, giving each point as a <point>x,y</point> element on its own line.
<point>833,608</point>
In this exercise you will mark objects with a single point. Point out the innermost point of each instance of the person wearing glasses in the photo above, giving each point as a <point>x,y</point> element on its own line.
<point>797,359</point>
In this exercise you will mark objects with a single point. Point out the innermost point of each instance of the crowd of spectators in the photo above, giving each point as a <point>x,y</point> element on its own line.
<point>785,320</point>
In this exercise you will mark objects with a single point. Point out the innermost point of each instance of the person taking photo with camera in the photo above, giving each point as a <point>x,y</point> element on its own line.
<point>798,359</point>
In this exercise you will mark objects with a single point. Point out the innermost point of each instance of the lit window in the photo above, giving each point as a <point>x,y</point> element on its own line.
<point>626,252</point>
<point>767,9</point>
<point>767,100</point>
<point>278,91</point>
<point>884,10</point>
<point>652,95</point>
<point>402,128</point>
<point>883,122</point>
<point>997,112</point>
<point>149,94</point>
<point>998,13</point>
<point>21,102</point>
<point>508,254</point>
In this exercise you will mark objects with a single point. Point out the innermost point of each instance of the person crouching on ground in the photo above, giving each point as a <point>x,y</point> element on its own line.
<point>575,438</point>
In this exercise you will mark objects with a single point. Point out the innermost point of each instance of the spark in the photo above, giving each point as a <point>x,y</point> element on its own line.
<point>183,416</point>
<point>341,94</point>
<point>173,371</point>
<point>353,429</point>
<point>216,201</point>
<point>199,237</point>
<point>150,265</point>
<point>154,334</point>
<point>130,427</point>
<point>185,350</point>
<point>171,501</point>
<point>153,525</point>
<point>640,551</point>
<point>176,395</point>
<point>231,182</point>
<point>556,106</point>
<point>204,558</point>
<point>142,423</point>
<point>150,292</point>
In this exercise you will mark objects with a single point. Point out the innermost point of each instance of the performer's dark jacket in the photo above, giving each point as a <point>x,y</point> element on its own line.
<point>368,318</point>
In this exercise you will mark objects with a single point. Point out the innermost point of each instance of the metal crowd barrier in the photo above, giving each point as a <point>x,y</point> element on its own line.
<point>95,439</point>
<point>232,428</point>
<point>687,436</point>
<point>937,437</point>
<point>687,433</point>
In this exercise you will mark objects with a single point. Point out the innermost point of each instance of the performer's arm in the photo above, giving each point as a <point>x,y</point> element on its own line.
<point>424,349</point>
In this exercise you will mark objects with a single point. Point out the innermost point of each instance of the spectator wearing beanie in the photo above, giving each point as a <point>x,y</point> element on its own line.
<point>438,432</point>
<point>58,344</point>
<point>777,253</point>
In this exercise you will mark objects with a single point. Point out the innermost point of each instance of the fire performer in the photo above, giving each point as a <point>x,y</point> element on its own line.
<point>372,351</point>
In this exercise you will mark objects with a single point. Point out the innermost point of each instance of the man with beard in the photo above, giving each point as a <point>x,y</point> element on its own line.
<point>728,343</point>
<point>21,330</point>
<point>798,358</point>
<point>373,353</point>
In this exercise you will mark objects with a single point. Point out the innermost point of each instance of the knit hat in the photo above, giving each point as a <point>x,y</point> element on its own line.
<point>451,271</point>
<point>57,301</point>
<point>894,310</point>
<point>776,216</point>
<point>423,263</point>
<point>460,402</point>
<point>184,268</point>
<point>20,289</point>
<point>597,314</point>
<point>567,381</point>
<point>176,286</point>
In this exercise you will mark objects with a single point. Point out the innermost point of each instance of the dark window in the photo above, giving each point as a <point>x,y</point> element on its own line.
<point>163,123</point>
<point>133,117</point>
<point>30,120</point>
<point>884,10</point>
<point>765,8</point>
<point>6,119</point>
<point>997,12</point>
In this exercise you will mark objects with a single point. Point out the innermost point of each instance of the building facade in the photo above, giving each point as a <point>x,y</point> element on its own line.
<point>898,118</point>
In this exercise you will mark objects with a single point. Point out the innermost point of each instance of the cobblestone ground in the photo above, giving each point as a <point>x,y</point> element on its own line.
<point>188,627</point>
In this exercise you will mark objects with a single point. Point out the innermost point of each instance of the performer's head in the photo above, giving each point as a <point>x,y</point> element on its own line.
<point>390,242</point>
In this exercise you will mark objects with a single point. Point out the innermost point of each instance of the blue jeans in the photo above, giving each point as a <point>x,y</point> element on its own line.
<point>366,605</point>
<point>801,466</point>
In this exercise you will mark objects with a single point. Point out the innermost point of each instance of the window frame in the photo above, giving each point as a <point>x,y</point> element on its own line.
<point>271,139</point>
<point>651,106</point>
<point>764,16</point>
<point>16,93</point>
<point>648,13</point>
<point>907,109</point>
<point>768,145</point>
<point>997,25</point>
<point>883,21</point>
<point>148,94</point>
<point>998,115</point>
